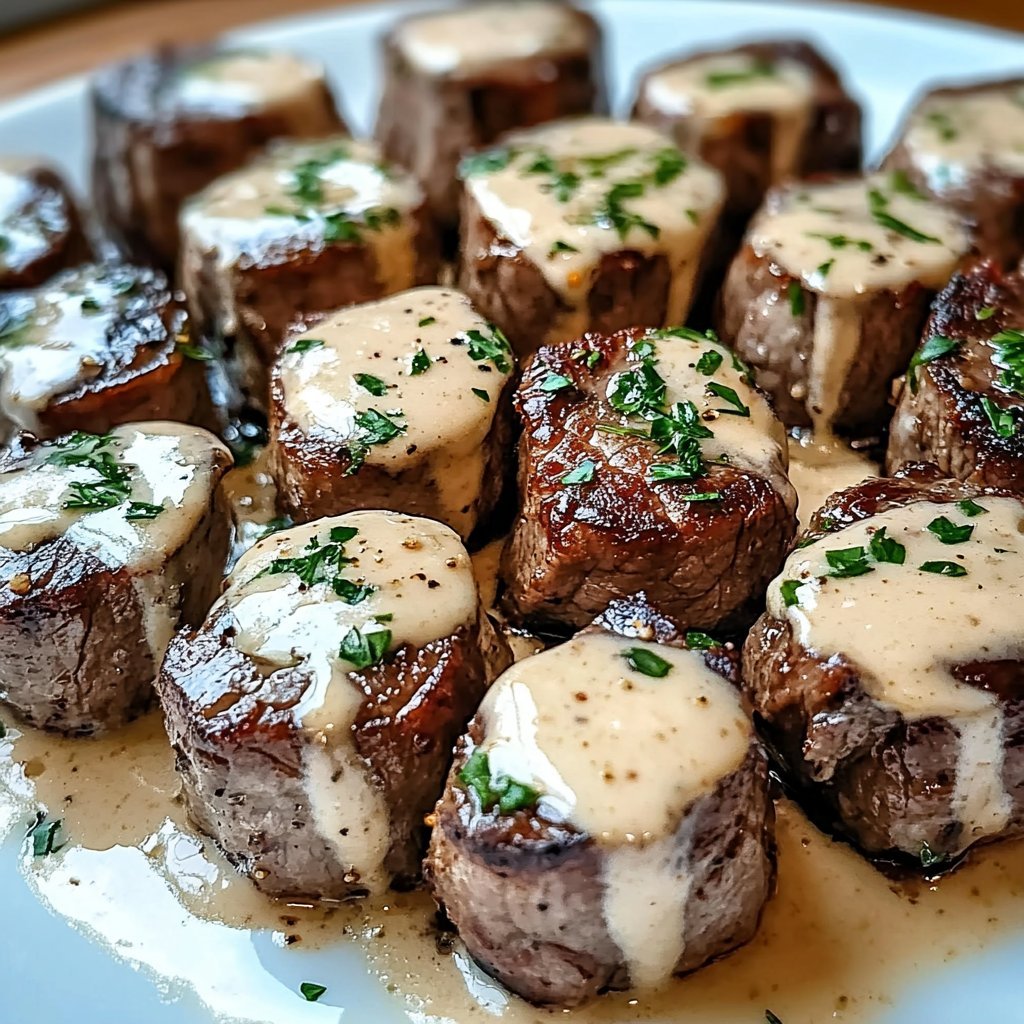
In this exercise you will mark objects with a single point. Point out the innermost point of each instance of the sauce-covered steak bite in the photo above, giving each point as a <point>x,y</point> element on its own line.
<point>887,670</point>
<point>307,227</point>
<point>964,146</point>
<point>648,462</point>
<point>403,404</point>
<point>95,346</point>
<point>456,80</point>
<point>168,123</point>
<point>962,405</point>
<point>107,543</point>
<point>40,227</point>
<point>607,822</point>
<point>827,297</point>
<point>583,225</point>
<point>314,712</point>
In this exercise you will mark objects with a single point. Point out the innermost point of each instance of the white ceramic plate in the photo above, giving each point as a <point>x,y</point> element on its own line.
<point>54,970</point>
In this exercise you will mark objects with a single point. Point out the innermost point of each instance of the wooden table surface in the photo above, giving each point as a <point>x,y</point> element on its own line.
<point>71,44</point>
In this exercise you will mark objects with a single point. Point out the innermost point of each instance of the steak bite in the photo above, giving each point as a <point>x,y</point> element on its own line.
<point>962,405</point>
<point>584,225</point>
<point>167,123</point>
<point>107,543</point>
<point>403,404</point>
<point>827,297</point>
<point>606,823</point>
<point>315,710</point>
<point>307,227</point>
<point>455,80</point>
<point>887,670</point>
<point>649,462</point>
<point>40,228</point>
<point>964,146</point>
<point>97,345</point>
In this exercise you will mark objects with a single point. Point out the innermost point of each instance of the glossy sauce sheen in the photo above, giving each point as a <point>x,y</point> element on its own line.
<point>819,467</point>
<point>905,629</point>
<point>476,39</point>
<point>709,92</point>
<point>526,210</point>
<point>422,577</point>
<point>23,229</point>
<point>621,756</point>
<point>446,422</point>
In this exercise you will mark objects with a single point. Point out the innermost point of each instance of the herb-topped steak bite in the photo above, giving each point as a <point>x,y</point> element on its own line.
<point>648,461</point>
<point>307,227</point>
<point>964,145</point>
<point>607,822</point>
<point>315,710</point>
<point>455,80</point>
<point>168,123</point>
<point>828,294</point>
<point>97,345</point>
<point>584,225</point>
<point>962,404</point>
<point>403,404</point>
<point>887,670</point>
<point>40,228</point>
<point>107,543</point>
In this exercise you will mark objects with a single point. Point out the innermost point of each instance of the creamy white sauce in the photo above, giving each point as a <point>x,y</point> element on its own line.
<point>478,37</point>
<point>819,467</point>
<point>446,421</point>
<point>905,630</point>
<point>301,196</point>
<point>23,226</point>
<point>621,756</point>
<point>951,138</point>
<point>526,210</point>
<point>422,577</point>
<point>707,93</point>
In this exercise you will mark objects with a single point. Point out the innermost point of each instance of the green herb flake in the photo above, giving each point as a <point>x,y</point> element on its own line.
<point>481,394</point>
<point>374,427</point>
<point>971,508</point>
<point>943,568</point>
<point>490,345</point>
<point>1002,421</point>
<point>698,641</point>
<point>759,69</point>
<point>934,348</point>
<point>647,662</point>
<point>985,313</point>
<point>884,549</point>
<point>727,394</point>
<point>788,589</point>
<point>841,242</point>
<point>847,562</point>
<point>582,474</point>
<point>929,858</point>
<point>311,992</point>
<point>559,247</point>
<point>555,382</point>
<point>142,510</point>
<point>507,794</point>
<point>487,162</point>
<point>420,363</point>
<point>351,593</point>
<point>949,532</point>
<point>709,362</point>
<point>878,203</point>
<point>427,321</point>
<point>900,183</point>
<point>368,382</point>
<point>797,300</point>
<point>363,650</point>
<point>1009,357</point>
<point>91,305</point>
<point>45,836</point>
<point>306,345</point>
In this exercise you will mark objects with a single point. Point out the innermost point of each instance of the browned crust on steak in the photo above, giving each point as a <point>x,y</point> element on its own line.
<point>427,122</point>
<point>885,781</point>
<point>943,422</point>
<point>575,549</point>
<point>148,157</point>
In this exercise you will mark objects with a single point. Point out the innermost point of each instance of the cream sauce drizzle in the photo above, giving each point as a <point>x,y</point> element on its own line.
<point>423,579</point>
<point>382,339</point>
<point>23,227</point>
<point>906,629</point>
<point>621,756</point>
<point>525,210</point>
<point>706,93</point>
<point>478,37</point>
<point>820,467</point>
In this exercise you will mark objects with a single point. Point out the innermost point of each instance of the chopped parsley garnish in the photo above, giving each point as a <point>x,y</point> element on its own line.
<point>368,382</point>
<point>196,353</point>
<point>842,241</point>
<point>847,562</point>
<point>491,345</point>
<point>420,363</point>
<point>306,345</point>
<point>582,474</point>
<point>943,568</point>
<point>709,362</point>
<point>612,212</point>
<point>824,269</point>
<point>311,992</point>
<point>1009,357</point>
<point>487,162</point>
<point>1002,421</point>
<point>949,532</point>
<point>900,183</point>
<point>560,246</point>
<point>94,451</point>
<point>351,593</point>
<point>142,510</point>
<point>507,794</point>
<point>943,125</point>
<point>929,858</point>
<point>44,835</point>
<point>555,382</point>
<point>647,662</point>
<point>590,356</point>
<point>639,391</point>
<point>884,549</point>
<point>971,508</point>
<point>727,394</point>
<point>797,301</point>
<point>698,641</point>
<point>319,563</point>
<point>723,79</point>
<point>427,321</point>
<point>788,589</point>
<point>306,184</point>
<point>985,313</point>
<point>481,394</point>
<point>90,304</point>
<point>934,348</point>
<point>374,427</point>
<point>878,203</point>
<point>363,650</point>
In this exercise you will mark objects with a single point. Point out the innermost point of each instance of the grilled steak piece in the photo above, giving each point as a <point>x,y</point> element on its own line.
<point>305,228</point>
<point>647,462</point>
<point>962,145</point>
<point>98,345</point>
<point>168,123</point>
<point>107,544</point>
<point>314,712</point>
<point>574,753</point>
<point>402,404</point>
<point>40,228</point>
<point>456,80</point>
<point>888,670</point>
<point>962,405</point>
<point>828,294</point>
<point>583,225</point>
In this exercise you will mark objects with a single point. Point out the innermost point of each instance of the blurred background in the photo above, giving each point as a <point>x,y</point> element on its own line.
<point>41,40</point>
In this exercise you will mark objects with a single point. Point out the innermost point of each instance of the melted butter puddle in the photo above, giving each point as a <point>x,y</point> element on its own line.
<point>138,880</point>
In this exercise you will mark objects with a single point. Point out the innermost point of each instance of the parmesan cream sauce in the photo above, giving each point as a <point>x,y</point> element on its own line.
<point>476,38</point>
<point>832,239</point>
<point>447,410</point>
<point>820,466</point>
<point>906,629</point>
<point>422,577</point>
<point>707,93</point>
<point>621,756</point>
<point>24,226</point>
<point>525,209</point>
